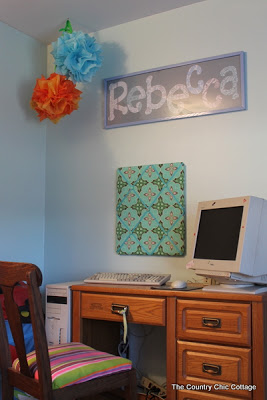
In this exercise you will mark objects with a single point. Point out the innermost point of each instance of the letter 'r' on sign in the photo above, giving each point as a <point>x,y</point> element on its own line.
<point>201,87</point>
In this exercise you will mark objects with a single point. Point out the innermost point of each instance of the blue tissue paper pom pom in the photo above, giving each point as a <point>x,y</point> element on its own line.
<point>77,56</point>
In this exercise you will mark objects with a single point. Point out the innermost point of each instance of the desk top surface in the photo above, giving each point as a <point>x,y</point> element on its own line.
<point>135,290</point>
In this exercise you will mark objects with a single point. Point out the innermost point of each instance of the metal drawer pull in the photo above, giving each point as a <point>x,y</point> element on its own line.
<point>212,369</point>
<point>211,322</point>
<point>119,309</point>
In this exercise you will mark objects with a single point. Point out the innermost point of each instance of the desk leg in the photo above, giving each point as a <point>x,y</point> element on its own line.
<point>171,347</point>
<point>77,324</point>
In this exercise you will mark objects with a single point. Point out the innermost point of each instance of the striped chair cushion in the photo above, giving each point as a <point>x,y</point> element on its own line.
<point>73,363</point>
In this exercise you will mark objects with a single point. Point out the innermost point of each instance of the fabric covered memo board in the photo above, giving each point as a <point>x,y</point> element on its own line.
<point>151,210</point>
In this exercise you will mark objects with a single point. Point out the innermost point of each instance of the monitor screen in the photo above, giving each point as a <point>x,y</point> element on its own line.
<point>218,233</point>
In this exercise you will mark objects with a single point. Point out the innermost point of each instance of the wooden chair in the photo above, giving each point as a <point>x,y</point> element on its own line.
<point>25,379</point>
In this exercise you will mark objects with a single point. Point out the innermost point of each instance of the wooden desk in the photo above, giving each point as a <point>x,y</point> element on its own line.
<point>212,338</point>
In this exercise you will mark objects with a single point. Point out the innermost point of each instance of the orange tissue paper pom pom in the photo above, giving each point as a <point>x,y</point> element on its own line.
<point>55,97</point>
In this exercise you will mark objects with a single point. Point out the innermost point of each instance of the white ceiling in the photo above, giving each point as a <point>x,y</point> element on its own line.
<point>42,19</point>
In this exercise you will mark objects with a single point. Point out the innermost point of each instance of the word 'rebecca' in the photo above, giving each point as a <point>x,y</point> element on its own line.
<point>176,95</point>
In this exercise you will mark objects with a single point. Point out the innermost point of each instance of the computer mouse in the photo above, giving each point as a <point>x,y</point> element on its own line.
<point>179,284</point>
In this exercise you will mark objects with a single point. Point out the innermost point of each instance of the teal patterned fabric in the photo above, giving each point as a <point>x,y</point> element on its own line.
<point>151,210</point>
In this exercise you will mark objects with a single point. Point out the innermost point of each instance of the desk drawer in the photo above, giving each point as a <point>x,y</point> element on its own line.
<point>200,364</point>
<point>214,322</point>
<point>141,310</point>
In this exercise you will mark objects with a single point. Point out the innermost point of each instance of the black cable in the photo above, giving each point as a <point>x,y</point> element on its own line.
<point>142,336</point>
<point>151,396</point>
<point>123,348</point>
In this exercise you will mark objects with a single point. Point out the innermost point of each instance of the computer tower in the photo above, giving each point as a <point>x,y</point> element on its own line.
<point>58,312</point>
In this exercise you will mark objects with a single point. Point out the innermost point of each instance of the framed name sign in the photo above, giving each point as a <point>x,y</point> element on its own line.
<point>201,87</point>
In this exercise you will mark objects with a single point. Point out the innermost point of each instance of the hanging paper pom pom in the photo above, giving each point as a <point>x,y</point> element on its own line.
<point>55,97</point>
<point>77,56</point>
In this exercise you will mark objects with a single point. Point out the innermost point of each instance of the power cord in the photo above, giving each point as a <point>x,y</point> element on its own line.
<point>150,395</point>
<point>124,344</point>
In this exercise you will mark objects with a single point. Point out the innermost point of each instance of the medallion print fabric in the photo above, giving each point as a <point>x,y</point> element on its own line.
<point>151,210</point>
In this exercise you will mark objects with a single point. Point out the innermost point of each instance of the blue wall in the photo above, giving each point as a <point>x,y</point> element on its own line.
<point>22,150</point>
<point>224,154</point>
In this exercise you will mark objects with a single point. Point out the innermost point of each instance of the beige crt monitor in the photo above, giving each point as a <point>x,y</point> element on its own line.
<point>230,243</point>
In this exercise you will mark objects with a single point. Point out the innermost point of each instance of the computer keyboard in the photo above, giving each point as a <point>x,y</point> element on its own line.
<point>128,278</point>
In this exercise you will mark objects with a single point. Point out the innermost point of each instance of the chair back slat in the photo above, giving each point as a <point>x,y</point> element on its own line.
<point>5,359</point>
<point>10,274</point>
<point>15,324</point>
<point>39,333</point>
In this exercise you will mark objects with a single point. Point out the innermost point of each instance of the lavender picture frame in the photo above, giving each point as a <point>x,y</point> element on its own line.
<point>202,87</point>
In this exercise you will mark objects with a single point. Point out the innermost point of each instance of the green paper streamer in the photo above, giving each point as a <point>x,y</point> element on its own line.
<point>68,27</point>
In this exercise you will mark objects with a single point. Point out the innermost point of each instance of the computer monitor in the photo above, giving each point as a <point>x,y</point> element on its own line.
<point>230,242</point>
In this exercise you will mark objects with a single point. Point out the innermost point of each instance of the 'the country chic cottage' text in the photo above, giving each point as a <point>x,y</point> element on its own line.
<point>216,386</point>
